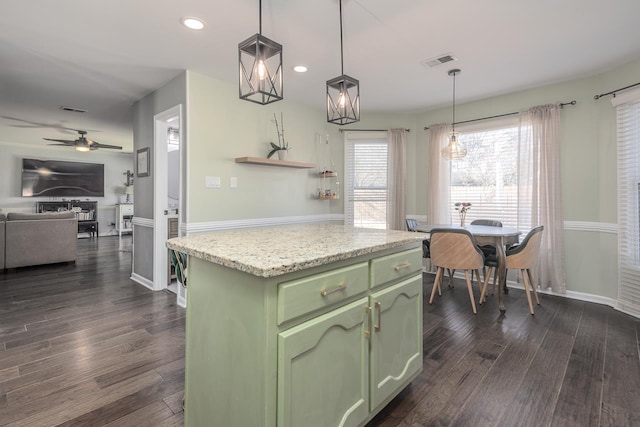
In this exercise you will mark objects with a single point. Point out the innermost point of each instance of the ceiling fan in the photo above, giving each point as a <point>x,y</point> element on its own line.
<point>82,143</point>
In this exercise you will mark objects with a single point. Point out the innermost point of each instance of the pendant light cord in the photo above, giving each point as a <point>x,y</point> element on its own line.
<point>341,52</point>
<point>260,17</point>
<point>453,122</point>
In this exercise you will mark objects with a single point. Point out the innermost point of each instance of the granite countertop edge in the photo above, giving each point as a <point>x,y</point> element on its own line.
<point>199,246</point>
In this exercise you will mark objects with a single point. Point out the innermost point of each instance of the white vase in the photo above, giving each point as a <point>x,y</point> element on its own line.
<point>282,154</point>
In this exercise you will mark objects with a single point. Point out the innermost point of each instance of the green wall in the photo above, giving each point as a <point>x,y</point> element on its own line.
<point>588,168</point>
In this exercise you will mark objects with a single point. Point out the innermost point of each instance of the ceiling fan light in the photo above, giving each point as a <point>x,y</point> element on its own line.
<point>83,148</point>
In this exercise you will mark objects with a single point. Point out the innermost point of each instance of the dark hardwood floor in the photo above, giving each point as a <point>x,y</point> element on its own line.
<point>82,345</point>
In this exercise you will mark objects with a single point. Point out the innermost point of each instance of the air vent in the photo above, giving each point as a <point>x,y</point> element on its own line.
<point>439,60</point>
<point>73,109</point>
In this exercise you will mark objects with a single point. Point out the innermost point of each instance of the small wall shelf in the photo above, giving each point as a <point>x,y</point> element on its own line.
<point>273,162</point>
<point>332,197</point>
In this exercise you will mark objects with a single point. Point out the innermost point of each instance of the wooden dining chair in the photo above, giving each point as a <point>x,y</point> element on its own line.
<point>455,249</point>
<point>523,257</point>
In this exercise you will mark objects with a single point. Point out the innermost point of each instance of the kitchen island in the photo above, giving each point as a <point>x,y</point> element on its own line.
<point>300,325</point>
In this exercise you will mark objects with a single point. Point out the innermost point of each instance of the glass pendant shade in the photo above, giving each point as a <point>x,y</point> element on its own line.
<point>260,61</point>
<point>343,100</point>
<point>454,150</point>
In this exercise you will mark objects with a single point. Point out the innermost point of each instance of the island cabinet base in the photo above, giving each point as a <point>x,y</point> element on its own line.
<point>253,360</point>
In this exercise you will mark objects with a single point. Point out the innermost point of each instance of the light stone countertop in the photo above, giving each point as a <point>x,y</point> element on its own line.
<point>272,251</point>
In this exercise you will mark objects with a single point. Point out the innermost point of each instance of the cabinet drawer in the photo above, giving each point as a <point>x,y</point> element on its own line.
<point>302,296</point>
<point>126,209</point>
<point>390,267</point>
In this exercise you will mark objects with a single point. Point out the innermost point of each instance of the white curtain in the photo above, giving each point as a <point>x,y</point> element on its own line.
<point>396,179</point>
<point>438,191</point>
<point>539,189</point>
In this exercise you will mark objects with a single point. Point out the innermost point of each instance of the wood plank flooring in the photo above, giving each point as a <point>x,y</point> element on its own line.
<point>83,345</point>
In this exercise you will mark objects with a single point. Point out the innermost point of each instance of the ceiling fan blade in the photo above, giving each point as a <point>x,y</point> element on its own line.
<point>62,145</point>
<point>98,145</point>
<point>64,141</point>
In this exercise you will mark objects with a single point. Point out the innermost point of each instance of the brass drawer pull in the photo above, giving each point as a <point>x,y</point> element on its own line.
<point>367,332</point>
<point>405,264</point>
<point>378,307</point>
<point>341,287</point>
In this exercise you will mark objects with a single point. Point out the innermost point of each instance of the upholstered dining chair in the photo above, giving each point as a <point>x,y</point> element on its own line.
<point>523,257</point>
<point>411,226</point>
<point>455,249</point>
<point>487,250</point>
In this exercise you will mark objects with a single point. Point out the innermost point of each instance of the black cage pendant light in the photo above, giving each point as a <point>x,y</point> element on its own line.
<point>260,61</point>
<point>343,93</point>
<point>455,150</point>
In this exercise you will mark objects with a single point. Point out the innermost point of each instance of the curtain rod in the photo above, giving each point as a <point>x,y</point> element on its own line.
<point>613,92</point>
<point>502,115</point>
<point>368,130</point>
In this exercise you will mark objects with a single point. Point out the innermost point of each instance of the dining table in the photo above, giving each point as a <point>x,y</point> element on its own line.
<point>498,237</point>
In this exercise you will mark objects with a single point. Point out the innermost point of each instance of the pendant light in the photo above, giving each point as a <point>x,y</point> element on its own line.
<point>455,150</point>
<point>343,93</point>
<point>260,61</point>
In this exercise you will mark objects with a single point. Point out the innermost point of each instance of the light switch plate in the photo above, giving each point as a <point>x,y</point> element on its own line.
<point>233,182</point>
<point>212,182</point>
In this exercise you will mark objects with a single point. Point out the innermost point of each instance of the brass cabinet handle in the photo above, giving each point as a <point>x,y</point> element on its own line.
<point>341,287</point>
<point>367,332</point>
<point>405,264</point>
<point>378,307</point>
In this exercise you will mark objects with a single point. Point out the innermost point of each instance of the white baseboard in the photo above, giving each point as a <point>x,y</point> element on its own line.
<point>142,280</point>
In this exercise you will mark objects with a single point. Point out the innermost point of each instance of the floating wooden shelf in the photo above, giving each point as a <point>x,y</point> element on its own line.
<point>273,162</point>
<point>328,174</point>
<point>332,197</point>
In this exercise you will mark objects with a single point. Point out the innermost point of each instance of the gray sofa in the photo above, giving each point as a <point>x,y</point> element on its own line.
<point>42,238</point>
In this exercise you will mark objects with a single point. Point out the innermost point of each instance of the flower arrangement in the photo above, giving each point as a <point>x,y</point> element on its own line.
<point>283,146</point>
<point>462,208</point>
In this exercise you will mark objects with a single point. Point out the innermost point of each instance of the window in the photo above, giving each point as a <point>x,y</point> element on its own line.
<point>628,126</point>
<point>488,176</point>
<point>366,179</point>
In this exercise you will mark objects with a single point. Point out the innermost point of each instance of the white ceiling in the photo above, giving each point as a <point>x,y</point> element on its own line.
<point>104,55</point>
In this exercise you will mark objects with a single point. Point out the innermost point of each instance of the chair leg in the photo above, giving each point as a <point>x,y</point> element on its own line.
<point>470,289</point>
<point>451,273</point>
<point>483,293</point>
<point>436,284</point>
<point>495,280</point>
<point>525,281</point>
<point>533,285</point>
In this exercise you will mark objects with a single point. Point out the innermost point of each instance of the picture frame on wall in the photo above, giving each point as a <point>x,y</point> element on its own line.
<point>143,162</point>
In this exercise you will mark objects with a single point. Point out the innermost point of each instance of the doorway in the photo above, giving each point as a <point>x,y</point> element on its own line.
<point>168,191</point>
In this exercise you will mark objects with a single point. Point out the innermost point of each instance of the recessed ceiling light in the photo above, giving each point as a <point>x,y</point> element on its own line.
<point>193,23</point>
<point>300,68</point>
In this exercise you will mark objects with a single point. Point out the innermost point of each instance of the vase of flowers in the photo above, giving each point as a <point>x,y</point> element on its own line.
<point>462,208</point>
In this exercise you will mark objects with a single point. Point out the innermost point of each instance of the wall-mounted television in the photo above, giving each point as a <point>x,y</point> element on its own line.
<point>57,178</point>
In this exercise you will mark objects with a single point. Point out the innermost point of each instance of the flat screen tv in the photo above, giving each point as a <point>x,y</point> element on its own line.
<point>57,178</point>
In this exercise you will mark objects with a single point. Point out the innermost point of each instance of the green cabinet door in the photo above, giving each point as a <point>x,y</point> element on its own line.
<point>396,340</point>
<point>323,369</point>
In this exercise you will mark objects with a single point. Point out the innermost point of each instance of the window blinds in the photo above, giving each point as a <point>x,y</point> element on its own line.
<point>628,130</point>
<point>489,176</point>
<point>366,181</point>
